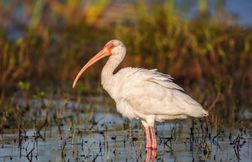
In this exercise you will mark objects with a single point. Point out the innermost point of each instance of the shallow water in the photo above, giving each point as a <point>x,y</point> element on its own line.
<point>103,135</point>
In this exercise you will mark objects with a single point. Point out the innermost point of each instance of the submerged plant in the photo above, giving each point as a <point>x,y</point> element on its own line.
<point>211,57</point>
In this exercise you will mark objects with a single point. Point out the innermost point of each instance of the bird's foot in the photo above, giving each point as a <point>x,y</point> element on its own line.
<point>148,146</point>
<point>151,147</point>
<point>154,148</point>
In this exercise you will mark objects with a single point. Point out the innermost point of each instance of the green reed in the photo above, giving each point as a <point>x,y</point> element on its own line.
<point>209,58</point>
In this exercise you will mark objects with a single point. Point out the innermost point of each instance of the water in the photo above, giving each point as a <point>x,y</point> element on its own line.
<point>100,134</point>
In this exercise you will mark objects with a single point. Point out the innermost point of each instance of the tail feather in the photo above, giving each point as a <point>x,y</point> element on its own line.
<point>205,113</point>
<point>192,107</point>
<point>198,112</point>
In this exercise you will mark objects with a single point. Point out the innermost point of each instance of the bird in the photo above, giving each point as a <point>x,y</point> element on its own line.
<point>147,95</point>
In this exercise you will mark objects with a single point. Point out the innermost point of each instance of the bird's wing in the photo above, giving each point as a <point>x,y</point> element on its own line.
<point>151,92</point>
<point>139,75</point>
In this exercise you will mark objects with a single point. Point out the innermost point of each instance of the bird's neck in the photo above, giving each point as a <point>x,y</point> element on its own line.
<point>107,76</point>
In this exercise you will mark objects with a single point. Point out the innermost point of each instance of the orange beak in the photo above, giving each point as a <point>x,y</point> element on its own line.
<point>103,53</point>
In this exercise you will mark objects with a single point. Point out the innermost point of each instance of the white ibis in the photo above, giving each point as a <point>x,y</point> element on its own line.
<point>143,94</point>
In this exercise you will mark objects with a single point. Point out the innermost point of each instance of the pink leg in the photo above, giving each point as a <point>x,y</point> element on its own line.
<point>154,154</point>
<point>154,139</point>
<point>148,140</point>
<point>148,154</point>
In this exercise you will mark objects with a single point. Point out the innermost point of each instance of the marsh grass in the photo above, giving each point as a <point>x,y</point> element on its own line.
<point>96,138</point>
<point>210,59</point>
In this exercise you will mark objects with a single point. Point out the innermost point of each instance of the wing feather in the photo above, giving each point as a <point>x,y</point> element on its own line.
<point>153,75</point>
<point>149,91</point>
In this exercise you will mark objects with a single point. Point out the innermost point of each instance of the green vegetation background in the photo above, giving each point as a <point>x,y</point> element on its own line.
<point>208,55</point>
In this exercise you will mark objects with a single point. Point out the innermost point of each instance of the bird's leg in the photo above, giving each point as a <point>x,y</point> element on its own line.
<point>148,154</point>
<point>154,154</point>
<point>147,135</point>
<point>154,139</point>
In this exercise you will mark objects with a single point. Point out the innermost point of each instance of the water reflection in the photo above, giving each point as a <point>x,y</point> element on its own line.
<point>118,144</point>
<point>151,155</point>
<point>102,135</point>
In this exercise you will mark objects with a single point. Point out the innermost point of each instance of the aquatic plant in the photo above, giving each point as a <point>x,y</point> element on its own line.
<point>210,58</point>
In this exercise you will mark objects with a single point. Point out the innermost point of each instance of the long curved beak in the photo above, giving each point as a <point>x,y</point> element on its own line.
<point>103,53</point>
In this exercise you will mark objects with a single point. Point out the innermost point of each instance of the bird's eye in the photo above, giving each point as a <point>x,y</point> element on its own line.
<point>110,46</point>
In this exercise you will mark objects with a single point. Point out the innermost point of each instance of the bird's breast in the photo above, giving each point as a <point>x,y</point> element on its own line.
<point>125,109</point>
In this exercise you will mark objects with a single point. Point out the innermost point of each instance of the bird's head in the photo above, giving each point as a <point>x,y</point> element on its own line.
<point>113,48</point>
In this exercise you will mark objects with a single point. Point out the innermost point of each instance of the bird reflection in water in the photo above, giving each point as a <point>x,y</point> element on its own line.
<point>150,154</point>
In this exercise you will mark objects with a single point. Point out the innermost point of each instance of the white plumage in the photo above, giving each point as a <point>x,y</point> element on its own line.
<point>147,95</point>
<point>151,96</point>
